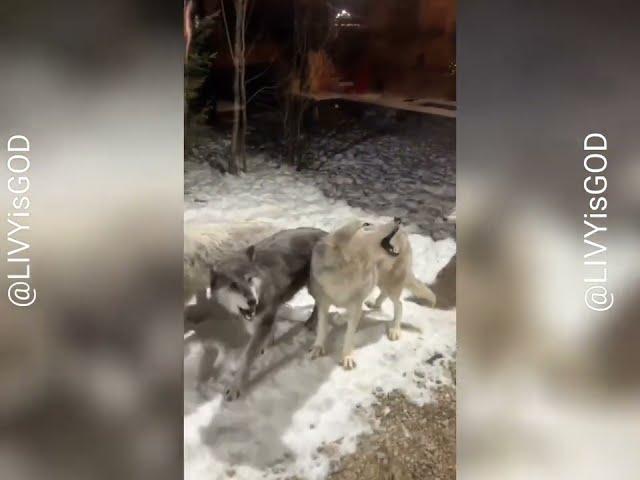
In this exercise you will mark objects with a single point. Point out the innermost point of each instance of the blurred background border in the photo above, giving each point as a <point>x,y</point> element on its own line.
<point>91,373</point>
<point>547,388</point>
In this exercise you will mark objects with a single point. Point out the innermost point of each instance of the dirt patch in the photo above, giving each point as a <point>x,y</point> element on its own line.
<point>410,443</point>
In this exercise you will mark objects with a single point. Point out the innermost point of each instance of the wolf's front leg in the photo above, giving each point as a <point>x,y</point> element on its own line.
<point>322,310</point>
<point>249,355</point>
<point>354,314</point>
<point>394,332</point>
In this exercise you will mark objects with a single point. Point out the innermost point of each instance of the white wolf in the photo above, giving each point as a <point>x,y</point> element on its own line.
<point>207,244</point>
<point>346,266</point>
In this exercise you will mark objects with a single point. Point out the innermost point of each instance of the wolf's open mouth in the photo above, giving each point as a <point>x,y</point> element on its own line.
<point>246,313</point>
<point>386,243</point>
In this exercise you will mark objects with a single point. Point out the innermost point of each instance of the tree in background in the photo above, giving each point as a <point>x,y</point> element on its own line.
<point>311,32</point>
<point>238,55</point>
<point>197,68</point>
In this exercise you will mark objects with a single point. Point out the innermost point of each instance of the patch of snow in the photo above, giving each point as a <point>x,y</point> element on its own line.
<point>295,405</point>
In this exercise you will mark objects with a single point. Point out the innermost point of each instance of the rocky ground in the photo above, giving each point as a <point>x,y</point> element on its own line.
<point>393,165</point>
<point>409,442</point>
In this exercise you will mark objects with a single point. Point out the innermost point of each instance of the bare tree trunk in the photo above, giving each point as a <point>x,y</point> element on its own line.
<point>293,124</point>
<point>294,89</point>
<point>295,101</point>
<point>243,87</point>
<point>235,138</point>
<point>238,54</point>
<point>188,27</point>
<point>237,149</point>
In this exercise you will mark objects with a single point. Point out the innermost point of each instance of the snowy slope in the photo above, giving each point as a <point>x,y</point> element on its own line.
<point>295,404</point>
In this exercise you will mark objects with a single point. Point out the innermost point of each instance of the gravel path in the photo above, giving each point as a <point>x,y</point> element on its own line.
<point>409,442</point>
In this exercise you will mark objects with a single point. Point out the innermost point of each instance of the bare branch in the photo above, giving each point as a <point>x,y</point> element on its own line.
<point>260,90</point>
<point>258,75</point>
<point>226,31</point>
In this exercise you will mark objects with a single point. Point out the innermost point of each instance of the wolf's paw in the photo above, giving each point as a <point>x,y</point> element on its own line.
<point>348,362</point>
<point>393,334</point>
<point>317,351</point>
<point>372,305</point>
<point>231,394</point>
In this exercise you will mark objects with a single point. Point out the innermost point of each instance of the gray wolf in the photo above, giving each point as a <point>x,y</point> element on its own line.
<point>254,283</point>
<point>348,264</point>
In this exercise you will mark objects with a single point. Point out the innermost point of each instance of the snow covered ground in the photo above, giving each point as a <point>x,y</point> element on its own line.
<point>296,405</point>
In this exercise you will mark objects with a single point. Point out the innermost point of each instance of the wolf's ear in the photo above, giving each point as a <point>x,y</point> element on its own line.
<point>251,253</point>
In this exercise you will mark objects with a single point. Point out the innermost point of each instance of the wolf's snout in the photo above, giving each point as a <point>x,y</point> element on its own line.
<point>251,302</point>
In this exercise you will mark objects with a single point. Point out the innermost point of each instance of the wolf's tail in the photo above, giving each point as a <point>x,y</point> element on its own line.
<point>420,289</point>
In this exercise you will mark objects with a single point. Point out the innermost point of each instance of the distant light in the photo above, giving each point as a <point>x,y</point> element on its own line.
<point>343,14</point>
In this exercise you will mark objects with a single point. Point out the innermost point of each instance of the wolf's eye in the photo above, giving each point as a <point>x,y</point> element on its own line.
<point>366,224</point>
<point>234,286</point>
